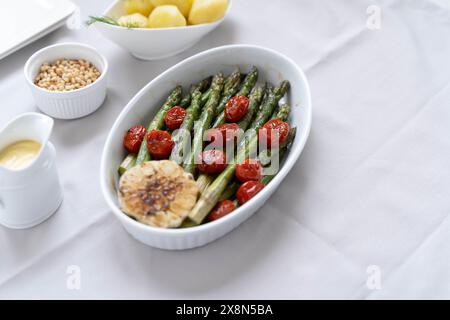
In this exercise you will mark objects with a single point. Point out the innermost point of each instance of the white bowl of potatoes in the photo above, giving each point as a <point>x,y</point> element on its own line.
<point>157,29</point>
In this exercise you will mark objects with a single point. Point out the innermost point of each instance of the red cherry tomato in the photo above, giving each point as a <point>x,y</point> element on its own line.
<point>212,161</point>
<point>236,108</point>
<point>133,138</point>
<point>248,190</point>
<point>174,117</point>
<point>220,210</point>
<point>249,170</point>
<point>228,132</point>
<point>275,131</point>
<point>159,144</point>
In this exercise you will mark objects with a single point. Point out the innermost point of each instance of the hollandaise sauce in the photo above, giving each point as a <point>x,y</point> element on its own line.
<point>19,155</point>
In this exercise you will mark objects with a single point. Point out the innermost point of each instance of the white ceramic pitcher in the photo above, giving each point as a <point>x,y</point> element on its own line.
<point>31,195</point>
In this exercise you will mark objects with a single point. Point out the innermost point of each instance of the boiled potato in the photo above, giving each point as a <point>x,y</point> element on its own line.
<point>143,7</point>
<point>206,11</point>
<point>135,20</point>
<point>183,5</point>
<point>166,17</point>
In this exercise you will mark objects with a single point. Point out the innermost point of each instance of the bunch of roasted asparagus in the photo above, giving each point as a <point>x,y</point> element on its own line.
<point>231,104</point>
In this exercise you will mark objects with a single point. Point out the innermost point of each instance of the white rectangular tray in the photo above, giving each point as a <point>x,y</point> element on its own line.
<point>23,22</point>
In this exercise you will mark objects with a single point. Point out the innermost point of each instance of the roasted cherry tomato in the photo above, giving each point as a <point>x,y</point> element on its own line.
<point>249,170</point>
<point>274,131</point>
<point>227,131</point>
<point>220,210</point>
<point>159,144</point>
<point>212,161</point>
<point>174,117</point>
<point>248,190</point>
<point>133,138</point>
<point>236,108</point>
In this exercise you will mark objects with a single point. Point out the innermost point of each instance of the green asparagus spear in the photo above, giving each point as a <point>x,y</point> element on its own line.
<point>158,122</point>
<point>181,137</point>
<point>247,85</point>
<point>265,112</point>
<point>212,194</point>
<point>282,150</point>
<point>269,89</point>
<point>205,121</point>
<point>205,84</point>
<point>266,179</point>
<point>230,191</point>
<point>255,101</point>
<point>202,86</point>
<point>230,88</point>
<point>282,113</point>
<point>186,101</point>
<point>270,105</point>
<point>228,194</point>
<point>204,180</point>
<point>267,93</point>
<point>249,82</point>
<point>127,163</point>
<point>205,96</point>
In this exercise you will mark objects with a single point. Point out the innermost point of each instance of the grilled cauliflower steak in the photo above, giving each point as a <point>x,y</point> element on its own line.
<point>158,193</point>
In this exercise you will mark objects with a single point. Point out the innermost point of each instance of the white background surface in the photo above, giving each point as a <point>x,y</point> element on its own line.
<point>371,188</point>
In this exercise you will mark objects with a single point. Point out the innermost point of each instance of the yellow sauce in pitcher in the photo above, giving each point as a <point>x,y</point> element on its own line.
<point>19,155</point>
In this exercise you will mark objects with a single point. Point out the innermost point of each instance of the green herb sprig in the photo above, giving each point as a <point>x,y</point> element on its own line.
<point>109,20</point>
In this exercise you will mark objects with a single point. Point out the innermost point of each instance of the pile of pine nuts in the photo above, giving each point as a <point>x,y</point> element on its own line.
<point>66,75</point>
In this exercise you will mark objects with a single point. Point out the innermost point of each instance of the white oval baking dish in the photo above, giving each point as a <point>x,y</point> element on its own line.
<point>273,67</point>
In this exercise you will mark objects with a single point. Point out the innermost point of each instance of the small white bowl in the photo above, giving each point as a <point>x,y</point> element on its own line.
<point>272,67</point>
<point>153,44</point>
<point>68,104</point>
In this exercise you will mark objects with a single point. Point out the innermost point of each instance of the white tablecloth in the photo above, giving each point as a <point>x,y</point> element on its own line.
<point>372,187</point>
